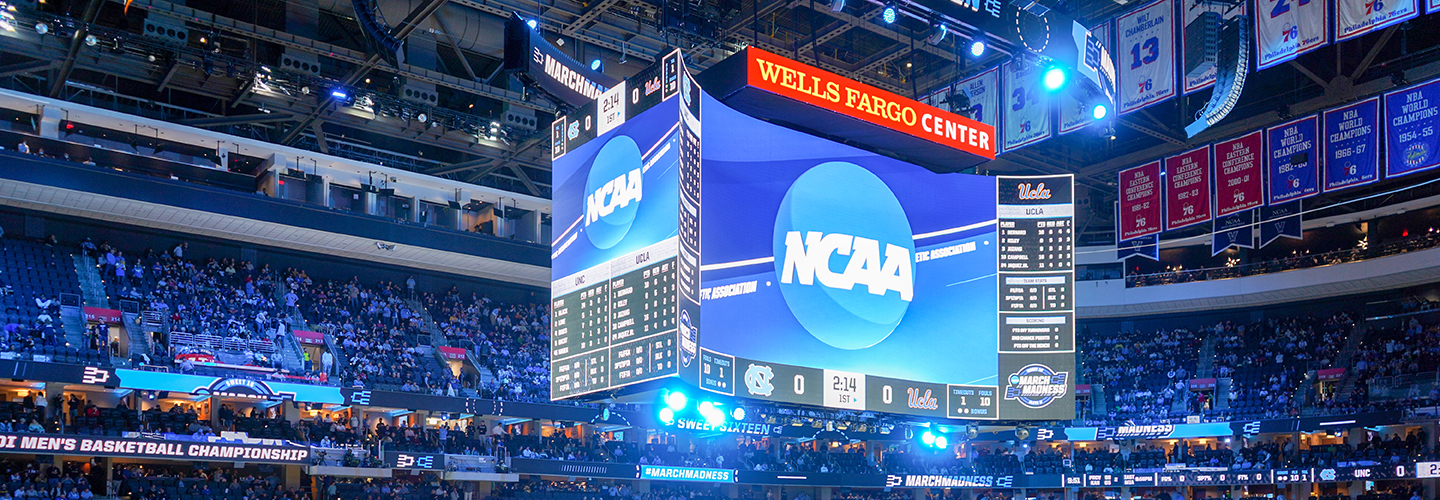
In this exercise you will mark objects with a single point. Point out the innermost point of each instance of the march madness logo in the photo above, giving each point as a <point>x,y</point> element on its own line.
<point>1036,386</point>
<point>613,191</point>
<point>846,270</point>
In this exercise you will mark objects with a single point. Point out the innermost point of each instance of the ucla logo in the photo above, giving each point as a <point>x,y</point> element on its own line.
<point>757,380</point>
<point>918,401</point>
<point>612,192</point>
<point>1036,386</point>
<point>1038,192</point>
<point>844,254</point>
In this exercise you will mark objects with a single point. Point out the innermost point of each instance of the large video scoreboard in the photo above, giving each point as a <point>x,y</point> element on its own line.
<point>825,275</point>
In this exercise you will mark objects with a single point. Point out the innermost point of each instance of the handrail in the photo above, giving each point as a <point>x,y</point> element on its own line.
<point>1414,243</point>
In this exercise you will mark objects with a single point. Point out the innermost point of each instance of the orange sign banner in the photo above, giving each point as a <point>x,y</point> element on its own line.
<point>818,87</point>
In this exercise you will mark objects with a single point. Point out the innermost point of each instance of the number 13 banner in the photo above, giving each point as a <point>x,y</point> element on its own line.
<point>1358,17</point>
<point>1285,29</point>
<point>1146,50</point>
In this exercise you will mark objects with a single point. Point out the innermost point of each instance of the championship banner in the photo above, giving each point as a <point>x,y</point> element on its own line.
<point>1192,11</point>
<point>1234,230</point>
<point>1146,47</point>
<point>1412,116</point>
<point>1187,188</point>
<point>1073,115</point>
<point>1144,246</point>
<point>1352,145</point>
<point>984,92</point>
<point>1239,182</point>
<point>1139,201</point>
<point>1357,17</point>
<point>1027,108</point>
<point>1291,161</point>
<point>1285,29</point>
<point>1282,220</point>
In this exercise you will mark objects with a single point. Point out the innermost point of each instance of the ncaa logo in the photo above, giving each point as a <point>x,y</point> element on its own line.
<point>846,267</point>
<point>757,380</point>
<point>612,192</point>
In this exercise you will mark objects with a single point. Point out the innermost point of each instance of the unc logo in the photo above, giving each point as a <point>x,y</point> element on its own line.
<point>612,192</point>
<point>846,268</point>
<point>1327,474</point>
<point>757,380</point>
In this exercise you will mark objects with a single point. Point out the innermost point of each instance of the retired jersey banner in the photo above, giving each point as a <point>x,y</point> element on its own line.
<point>1285,29</point>
<point>1234,230</point>
<point>984,92</point>
<point>1192,11</point>
<point>1352,145</point>
<point>1432,6</point>
<point>1073,115</point>
<point>1280,220</point>
<point>1412,117</point>
<point>1145,41</point>
<point>1187,188</point>
<point>1292,159</point>
<point>1027,106</point>
<point>1144,246</point>
<point>1239,183</point>
<point>1140,201</point>
<point>1358,17</point>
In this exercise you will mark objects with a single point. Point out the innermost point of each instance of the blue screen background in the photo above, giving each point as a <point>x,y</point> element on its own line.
<point>948,333</point>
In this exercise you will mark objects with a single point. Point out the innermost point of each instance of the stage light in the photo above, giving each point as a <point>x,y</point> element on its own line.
<point>532,23</point>
<point>1055,78</point>
<point>42,28</point>
<point>941,442</point>
<point>977,46</point>
<point>890,12</point>
<point>738,413</point>
<point>928,438</point>
<point>90,40</point>
<point>338,94</point>
<point>423,118</point>
<point>712,414</point>
<point>667,416</point>
<point>938,30</point>
<point>676,400</point>
<point>597,65</point>
<point>1099,111</point>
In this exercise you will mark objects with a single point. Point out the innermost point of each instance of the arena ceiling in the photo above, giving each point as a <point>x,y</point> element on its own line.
<point>455,47</point>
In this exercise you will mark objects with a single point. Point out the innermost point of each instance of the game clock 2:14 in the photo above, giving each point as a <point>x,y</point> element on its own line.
<point>844,390</point>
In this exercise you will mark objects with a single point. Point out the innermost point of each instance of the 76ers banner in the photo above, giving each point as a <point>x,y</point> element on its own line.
<point>1352,145</point>
<point>1027,107</point>
<point>1187,188</point>
<point>1146,48</point>
<point>1292,158</point>
<point>1140,201</point>
<point>1285,29</point>
<point>1238,179</point>
<point>1358,17</point>
<point>1412,116</point>
<point>984,92</point>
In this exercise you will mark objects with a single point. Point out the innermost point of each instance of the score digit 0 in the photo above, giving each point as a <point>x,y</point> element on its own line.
<point>799,384</point>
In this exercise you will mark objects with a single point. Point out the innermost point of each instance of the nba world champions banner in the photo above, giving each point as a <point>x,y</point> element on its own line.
<point>1293,154</point>
<point>1146,49</point>
<point>1357,17</point>
<point>1285,29</point>
<point>1352,145</point>
<point>1412,117</point>
<point>1140,200</point>
<point>1027,107</point>
<point>1239,175</point>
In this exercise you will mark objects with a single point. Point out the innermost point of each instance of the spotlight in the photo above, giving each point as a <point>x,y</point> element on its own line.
<point>928,438</point>
<point>597,65</point>
<point>738,413</point>
<point>676,400</point>
<point>423,118</point>
<point>941,442</point>
<point>532,24</point>
<point>666,415</point>
<point>837,5</point>
<point>1055,78</point>
<point>42,28</point>
<point>338,94</point>
<point>890,12</point>
<point>1099,111</point>
<point>938,30</point>
<point>90,40</point>
<point>977,45</point>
